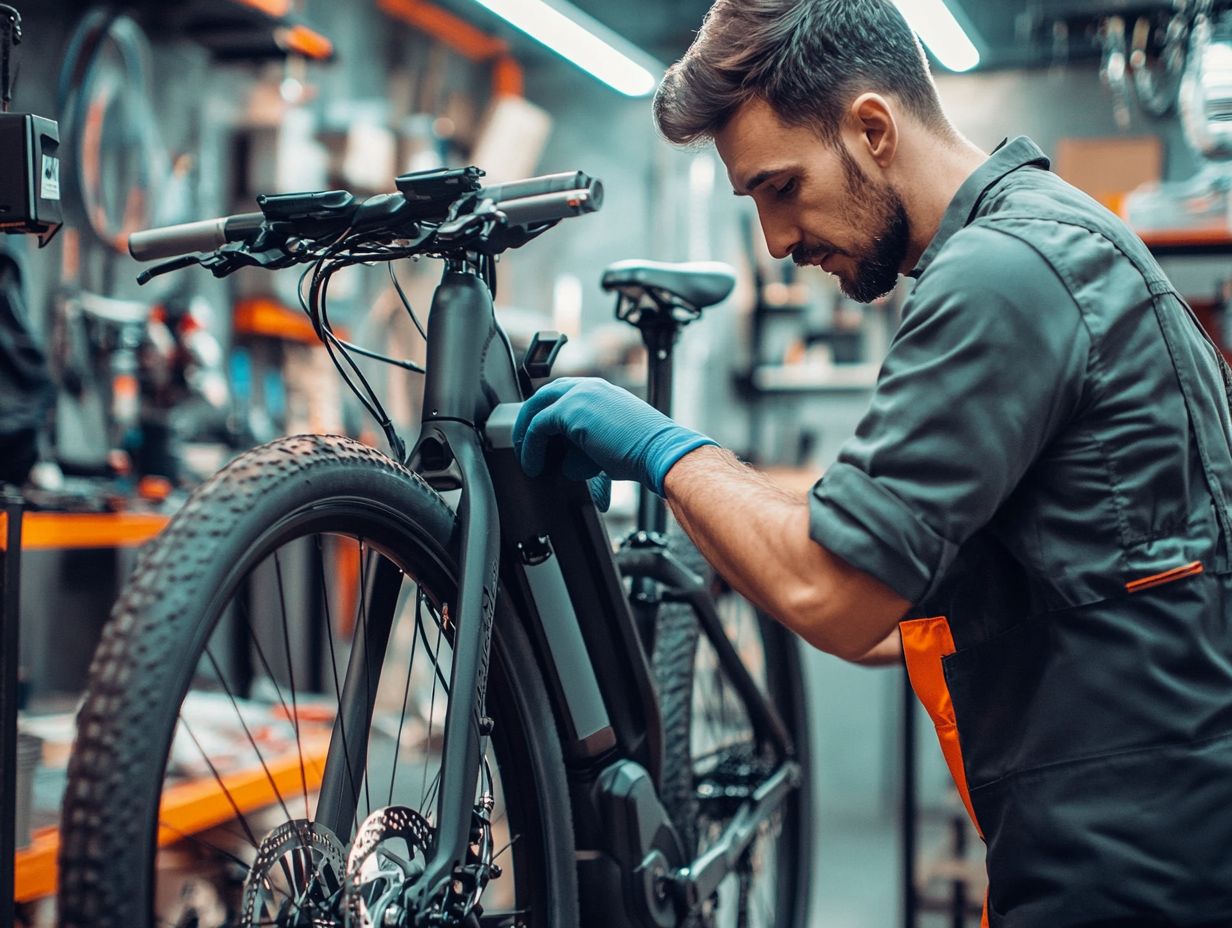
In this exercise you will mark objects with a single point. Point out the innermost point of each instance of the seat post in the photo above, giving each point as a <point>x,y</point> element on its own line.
<point>659,334</point>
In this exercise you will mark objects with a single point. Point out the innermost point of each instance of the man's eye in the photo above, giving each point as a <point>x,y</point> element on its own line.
<point>787,189</point>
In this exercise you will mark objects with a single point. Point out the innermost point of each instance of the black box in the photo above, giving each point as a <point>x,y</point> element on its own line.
<point>29,175</point>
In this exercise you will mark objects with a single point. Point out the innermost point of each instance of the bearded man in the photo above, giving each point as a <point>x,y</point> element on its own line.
<point>1034,509</point>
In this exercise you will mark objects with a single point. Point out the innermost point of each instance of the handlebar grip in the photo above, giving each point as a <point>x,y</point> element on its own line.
<point>536,186</point>
<point>550,207</point>
<point>192,237</point>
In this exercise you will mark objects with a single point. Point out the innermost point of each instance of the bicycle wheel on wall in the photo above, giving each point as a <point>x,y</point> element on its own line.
<point>272,683</point>
<point>712,761</point>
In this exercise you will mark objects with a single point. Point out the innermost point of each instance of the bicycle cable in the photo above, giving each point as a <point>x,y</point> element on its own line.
<point>406,302</point>
<point>347,250</point>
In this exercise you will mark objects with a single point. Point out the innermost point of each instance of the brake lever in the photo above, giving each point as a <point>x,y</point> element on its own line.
<point>167,267</point>
<point>479,223</point>
<point>230,258</point>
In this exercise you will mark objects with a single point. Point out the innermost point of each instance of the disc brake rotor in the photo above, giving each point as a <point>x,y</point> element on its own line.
<point>375,873</point>
<point>296,879</point>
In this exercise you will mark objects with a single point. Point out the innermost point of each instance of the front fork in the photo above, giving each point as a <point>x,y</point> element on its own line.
<point>461,327</point>
<point>467,726</point>
<point>449,449</point>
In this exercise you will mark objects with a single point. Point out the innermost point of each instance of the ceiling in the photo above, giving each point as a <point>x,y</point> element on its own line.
<point>1009,33</point>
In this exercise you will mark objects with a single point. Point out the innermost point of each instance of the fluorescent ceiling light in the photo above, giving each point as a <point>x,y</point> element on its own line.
<point>589,44</point>
<point>939,30</point>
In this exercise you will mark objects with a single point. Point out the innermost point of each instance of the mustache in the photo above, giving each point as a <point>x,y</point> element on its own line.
<point>805,254</point>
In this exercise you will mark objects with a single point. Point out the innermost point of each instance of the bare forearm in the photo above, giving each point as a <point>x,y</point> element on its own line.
<point>711,495</point>
<point>757,536</point>
<point>888,653</point>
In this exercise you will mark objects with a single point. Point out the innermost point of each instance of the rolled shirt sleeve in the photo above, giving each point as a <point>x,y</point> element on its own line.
<point>988,365</point>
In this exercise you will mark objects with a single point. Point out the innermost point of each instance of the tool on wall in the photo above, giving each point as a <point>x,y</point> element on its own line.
<point>29,153</point>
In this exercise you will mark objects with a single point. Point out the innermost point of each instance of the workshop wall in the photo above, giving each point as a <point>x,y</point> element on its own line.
<point>988,106</point>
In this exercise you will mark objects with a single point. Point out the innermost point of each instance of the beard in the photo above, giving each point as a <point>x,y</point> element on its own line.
<point>879,207</point>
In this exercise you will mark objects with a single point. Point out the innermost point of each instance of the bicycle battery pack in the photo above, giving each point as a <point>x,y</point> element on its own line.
<point>29,176</point>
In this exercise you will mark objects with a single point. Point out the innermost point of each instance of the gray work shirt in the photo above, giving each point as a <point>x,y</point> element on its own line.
<point>991,405</point>
<point>1046,462</point>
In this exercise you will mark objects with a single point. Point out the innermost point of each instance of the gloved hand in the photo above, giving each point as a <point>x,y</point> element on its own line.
<point>608,429</point>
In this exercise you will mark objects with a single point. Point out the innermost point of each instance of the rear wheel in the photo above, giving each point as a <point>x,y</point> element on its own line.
<point>261,737</point>
<point>712,759</point>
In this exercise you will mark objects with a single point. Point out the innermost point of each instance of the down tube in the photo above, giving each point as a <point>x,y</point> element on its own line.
<point>478,576</point>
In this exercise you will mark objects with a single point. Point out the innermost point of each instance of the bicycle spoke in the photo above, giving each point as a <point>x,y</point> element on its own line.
<point>252,636</point>
<point>221,852</point>
<point>223,786</point>
<point>208,845</point>
<point>248,734</point>
<point>286,640</point>
<point>426,802</point>
<point>435,656</point>
<point>432,708</point>
<point>406,692</point>
<point>363,624</point>
<point>333,668</point>
<point>508,845</point>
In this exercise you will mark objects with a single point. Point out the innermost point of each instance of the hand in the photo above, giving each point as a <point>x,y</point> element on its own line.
<point>608,430</point>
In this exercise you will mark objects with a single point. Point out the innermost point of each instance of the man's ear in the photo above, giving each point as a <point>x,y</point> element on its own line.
<point>872,121</point>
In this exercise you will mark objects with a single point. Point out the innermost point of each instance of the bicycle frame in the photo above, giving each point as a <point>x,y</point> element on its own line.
<point>552,558</point>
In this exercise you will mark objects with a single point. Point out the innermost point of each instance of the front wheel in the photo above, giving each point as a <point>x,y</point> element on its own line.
<point>260,741</point>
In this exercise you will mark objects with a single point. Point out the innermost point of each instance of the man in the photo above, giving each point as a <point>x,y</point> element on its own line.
<point>1037,492</point>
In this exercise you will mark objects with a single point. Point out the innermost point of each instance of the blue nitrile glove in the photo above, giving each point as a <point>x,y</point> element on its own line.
<point>609,431</point>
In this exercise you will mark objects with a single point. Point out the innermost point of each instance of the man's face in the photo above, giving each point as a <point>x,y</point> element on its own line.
<point>815,203</point>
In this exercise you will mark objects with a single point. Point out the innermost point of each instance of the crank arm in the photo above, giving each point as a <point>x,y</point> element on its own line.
<point>700,880</point>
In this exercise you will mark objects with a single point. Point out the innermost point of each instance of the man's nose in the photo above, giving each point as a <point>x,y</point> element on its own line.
<point>782,237</point>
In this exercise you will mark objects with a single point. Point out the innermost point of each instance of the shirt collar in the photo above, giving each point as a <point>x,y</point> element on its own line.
<point>1005,159</point>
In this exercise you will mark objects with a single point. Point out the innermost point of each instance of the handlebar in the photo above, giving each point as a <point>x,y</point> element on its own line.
<point>546,199</point>
<point>190,237</point>
<point>538,186</point>
<point>445,203</point>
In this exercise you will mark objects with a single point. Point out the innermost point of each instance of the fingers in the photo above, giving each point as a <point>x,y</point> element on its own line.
<point>578,465</point>
<point>541,400</point>
<point>536,425</point>
<point>600,487</point>
<point>534,451</point>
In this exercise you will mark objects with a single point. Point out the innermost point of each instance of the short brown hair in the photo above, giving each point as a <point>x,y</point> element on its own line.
<point>806,58</point>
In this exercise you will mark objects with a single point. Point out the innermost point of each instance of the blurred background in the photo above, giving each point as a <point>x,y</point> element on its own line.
<point>118,399</point>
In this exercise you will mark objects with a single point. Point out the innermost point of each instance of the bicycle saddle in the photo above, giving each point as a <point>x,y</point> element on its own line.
<point>698,284</point>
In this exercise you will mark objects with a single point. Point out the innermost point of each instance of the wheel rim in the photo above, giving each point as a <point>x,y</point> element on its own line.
<point>253,730</point>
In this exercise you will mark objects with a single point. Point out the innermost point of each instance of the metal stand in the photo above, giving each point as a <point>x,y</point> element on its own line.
<point>10,570</point>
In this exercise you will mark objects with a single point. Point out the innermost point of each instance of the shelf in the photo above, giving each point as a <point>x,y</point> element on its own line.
<point>775,378</point>
<point>54,530</point>
<point>269,318</point>
<point>781,309</point>
<point>251,30</point>
<point>1183,242</point>
<point>187,808</point>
